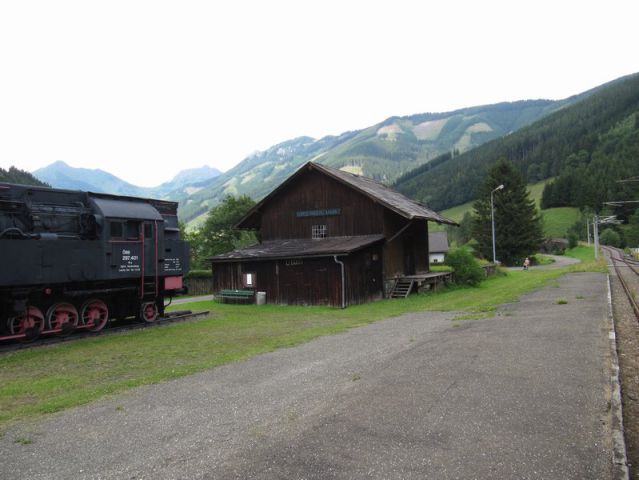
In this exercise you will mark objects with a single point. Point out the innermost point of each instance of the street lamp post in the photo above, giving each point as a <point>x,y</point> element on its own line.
<point>492,218</point>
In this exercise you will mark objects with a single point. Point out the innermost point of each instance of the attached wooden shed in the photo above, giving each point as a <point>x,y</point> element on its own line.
<point>329,237</point>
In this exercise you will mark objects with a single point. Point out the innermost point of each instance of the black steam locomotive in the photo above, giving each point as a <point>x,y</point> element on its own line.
<point>73,260</point>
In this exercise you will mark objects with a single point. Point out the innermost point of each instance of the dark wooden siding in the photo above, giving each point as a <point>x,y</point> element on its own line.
<point>314,281</point>
<point>227,276</point>
<point>359,215</point>
<point>364,279</point>
<point>407,253</point>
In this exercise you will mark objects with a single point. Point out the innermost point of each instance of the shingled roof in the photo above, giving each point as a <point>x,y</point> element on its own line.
<point>382,194</point>
<point>299,248</point>
<point>438,242</point>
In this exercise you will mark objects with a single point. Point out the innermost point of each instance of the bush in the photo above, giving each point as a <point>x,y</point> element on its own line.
<point>467,269</point>
<point>610,237</point>
<point>199,274</point>
<point>572,240</point>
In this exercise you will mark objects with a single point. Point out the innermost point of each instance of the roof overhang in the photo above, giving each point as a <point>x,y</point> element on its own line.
<point>299,248</point>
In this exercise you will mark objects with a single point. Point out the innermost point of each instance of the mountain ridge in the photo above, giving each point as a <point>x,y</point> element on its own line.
<point>539,151</point>
<point>60,174</point>
<point>382,151</point>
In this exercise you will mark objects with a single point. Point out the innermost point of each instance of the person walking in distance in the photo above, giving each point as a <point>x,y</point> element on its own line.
<point>526,263</point>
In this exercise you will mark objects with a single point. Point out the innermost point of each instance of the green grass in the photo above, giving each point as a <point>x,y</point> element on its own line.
<point>50,379</point>
<point>536,189</point>
<point>544,259</point>
<point>582,252</point>
<point>439,267</point>
<point>457,213</point>
<point>23,441</point>
<point>556,221</point>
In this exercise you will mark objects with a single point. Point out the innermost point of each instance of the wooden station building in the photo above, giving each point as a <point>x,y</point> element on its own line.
<point>328,237</point>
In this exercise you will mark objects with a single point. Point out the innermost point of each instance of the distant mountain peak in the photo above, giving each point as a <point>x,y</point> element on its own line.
<point>60,174</point>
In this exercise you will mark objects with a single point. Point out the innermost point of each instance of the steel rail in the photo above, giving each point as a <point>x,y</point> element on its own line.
<point>626,288</point>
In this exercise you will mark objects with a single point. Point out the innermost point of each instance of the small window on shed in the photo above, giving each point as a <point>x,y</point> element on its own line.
<point>116,229</point>
<point>318,231</point>
<point>249,280</point>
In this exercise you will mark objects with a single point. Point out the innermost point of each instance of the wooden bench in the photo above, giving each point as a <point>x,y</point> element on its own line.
<point>236,296</point>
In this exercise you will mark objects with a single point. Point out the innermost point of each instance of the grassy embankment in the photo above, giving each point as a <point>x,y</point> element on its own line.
<point>556,221</point>
<point>51,379</point>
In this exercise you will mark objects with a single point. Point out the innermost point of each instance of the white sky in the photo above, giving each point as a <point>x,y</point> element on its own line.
<point>144,89</point>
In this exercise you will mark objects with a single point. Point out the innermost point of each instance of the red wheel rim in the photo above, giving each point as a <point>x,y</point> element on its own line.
<point>62,317</point>
<point>29,323</point>
<point>95,315</point>
<point>149,312</point>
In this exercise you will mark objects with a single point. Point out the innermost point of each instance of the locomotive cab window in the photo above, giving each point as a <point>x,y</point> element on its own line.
<point>116,229</point>
<point>129,230</point>
<point>132,230</point>
<point>148,230</point>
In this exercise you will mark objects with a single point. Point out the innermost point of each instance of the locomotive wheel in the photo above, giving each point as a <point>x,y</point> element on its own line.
<point>94,315</point>
<point>149,312</point>
<point>29,323</point>
<point>63,317</point>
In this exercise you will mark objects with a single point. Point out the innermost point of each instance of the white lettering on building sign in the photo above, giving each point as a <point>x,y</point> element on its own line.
<point>319,213</point>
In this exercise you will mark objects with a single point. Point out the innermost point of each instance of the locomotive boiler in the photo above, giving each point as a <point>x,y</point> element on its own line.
<point>74,260</point>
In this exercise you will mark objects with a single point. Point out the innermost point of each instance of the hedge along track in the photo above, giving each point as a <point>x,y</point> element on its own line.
<point>619,263</point>
<point>112,329</point>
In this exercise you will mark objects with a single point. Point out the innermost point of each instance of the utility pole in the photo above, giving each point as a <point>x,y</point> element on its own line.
<point>596,234</point>
<point>588,229</point>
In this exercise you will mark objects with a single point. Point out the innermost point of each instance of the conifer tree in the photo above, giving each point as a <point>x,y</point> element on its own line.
<point>518,229</point>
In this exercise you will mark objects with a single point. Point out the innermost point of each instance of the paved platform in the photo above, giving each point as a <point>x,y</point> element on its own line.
<point>523,395</point>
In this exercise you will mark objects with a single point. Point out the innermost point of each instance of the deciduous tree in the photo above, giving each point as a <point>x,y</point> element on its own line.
<point>217,235</point>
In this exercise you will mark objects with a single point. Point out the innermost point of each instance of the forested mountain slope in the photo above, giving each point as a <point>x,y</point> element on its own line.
<point>383,151</point>
<point>589,178</point>
<point>563,141</point>
<point>15,175</point>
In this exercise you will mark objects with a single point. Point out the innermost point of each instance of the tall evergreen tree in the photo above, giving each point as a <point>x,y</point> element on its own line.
<point>518,229</point>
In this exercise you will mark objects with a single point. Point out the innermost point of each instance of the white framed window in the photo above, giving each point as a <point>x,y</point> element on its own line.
<point>319,231</point>
<point>249,280</point>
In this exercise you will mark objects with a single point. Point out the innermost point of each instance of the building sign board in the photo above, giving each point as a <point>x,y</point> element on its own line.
<point>327,212</point>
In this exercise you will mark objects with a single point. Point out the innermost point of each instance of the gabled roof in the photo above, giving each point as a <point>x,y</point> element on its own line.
<point>379,193</point>
<point>299,248</point>
<point>438,242</point>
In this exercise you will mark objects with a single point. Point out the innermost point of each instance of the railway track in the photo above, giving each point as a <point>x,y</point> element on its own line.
<point>627,271</point>
<point>111,329</point>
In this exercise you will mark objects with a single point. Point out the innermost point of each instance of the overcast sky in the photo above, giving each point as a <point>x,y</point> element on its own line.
<point>144,89</point>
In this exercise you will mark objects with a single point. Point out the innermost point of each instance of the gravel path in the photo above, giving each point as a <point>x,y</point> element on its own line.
<point>521,395</point>
<point>181,301</point>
